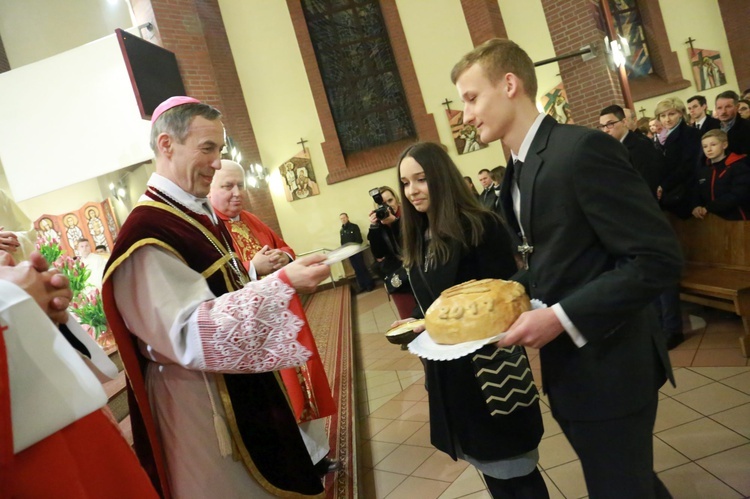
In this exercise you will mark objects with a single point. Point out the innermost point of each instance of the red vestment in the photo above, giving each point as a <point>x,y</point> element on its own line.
<point>307,386</point>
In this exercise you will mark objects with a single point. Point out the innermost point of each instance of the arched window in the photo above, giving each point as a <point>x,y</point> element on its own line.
<point>363,83</point>
<point>628,24</point>
<point>654,68</point>
<point>359,73</point>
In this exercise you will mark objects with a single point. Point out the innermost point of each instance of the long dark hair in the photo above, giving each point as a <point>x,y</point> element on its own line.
<point>451,206</point>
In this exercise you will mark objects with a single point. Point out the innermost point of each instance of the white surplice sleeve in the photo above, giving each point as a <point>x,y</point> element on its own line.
<point>170,308</point>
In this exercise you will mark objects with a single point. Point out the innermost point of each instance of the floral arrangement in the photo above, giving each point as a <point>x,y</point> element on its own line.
<point>76,272</point>
<point>50,250</point>
<point>86,304</point>
<point>89,309</point>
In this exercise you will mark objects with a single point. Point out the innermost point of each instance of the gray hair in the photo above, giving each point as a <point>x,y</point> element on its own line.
<point>176,121</point>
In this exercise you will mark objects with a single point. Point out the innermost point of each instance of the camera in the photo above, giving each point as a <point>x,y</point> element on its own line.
<point>382,211</point>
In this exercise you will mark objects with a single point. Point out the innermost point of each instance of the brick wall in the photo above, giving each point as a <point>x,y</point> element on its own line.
<point>590,85</point>
<point>484,20</point>
<point>734,13</point>
<point>194,31</point>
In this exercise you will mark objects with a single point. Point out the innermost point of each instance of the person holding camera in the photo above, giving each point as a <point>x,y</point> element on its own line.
<point>384,238</point>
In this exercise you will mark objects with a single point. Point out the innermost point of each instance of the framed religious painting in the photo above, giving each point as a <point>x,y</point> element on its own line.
<point>465,136</point>
<point>298,177</point>
<point>555,104</point>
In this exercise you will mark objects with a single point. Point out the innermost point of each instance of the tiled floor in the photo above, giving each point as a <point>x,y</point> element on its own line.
<point>701,437</point>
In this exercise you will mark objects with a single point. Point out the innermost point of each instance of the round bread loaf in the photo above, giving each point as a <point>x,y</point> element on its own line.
<point>475,310</point>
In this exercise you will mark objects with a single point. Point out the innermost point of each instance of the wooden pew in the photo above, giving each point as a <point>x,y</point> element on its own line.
<point>717,268</point>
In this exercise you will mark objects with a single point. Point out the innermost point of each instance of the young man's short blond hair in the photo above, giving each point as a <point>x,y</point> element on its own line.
<point>719,134</point>
<point>497,57</point>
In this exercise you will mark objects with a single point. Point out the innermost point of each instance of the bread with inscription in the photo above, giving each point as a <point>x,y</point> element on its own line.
<point>475,310</point>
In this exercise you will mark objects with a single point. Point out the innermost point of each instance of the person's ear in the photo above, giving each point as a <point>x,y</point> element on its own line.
<point>164,144</point>
<point>512,84</point>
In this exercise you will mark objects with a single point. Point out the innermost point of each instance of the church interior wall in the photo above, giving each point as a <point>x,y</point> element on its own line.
<point>282,110</point>
<point>33,30</point>
<point>701,20</point>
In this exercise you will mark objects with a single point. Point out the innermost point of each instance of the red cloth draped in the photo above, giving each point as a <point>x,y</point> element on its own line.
<point>307,386</point>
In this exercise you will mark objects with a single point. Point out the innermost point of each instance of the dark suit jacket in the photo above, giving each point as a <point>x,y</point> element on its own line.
<point>682,154</point>
<point>604,251</point>
<point>739,137</point>
<point>487,198</point>
<point>645,159</point>
<point>710,123</point>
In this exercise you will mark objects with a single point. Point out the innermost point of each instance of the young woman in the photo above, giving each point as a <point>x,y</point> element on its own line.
<point>447,239</point>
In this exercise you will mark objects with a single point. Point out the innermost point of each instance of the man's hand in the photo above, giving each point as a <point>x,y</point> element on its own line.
<point>262,262</point>
<point>278,258</point>
<point>48,288</point>
<point>307,272</point>
<point>534,328</point>
<point>699,212</point>
<point>8,241</point>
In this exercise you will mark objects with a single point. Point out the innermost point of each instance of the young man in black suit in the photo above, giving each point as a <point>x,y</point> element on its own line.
<point>737,129</point>
<point>598,251</point>
<point>642,154</point>
<point>698,109</point>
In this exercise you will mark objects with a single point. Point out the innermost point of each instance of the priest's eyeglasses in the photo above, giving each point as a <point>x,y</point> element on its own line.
<point>608,125</point>
<point>229,186</point>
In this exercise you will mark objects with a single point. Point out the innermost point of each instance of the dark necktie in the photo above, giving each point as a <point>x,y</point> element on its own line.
<point>517,166</point>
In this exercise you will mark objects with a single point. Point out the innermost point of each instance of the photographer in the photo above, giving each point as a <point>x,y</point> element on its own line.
<point>385,245</point>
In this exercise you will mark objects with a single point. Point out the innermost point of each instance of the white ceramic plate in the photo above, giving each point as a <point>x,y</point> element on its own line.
<point>423,346</point>
<point>343,252</point>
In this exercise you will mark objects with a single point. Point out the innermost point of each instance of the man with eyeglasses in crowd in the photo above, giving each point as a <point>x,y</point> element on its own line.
<point>643,155</point>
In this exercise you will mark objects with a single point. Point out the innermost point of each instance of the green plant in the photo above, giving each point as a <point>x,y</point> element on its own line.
<point>50,249</point>
<point>89,309</point>
<point>75,271</point>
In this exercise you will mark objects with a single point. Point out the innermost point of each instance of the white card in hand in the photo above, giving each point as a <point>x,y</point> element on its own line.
<point>343,252</point>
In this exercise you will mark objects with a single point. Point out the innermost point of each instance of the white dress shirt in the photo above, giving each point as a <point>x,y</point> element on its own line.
<point>570,328</point>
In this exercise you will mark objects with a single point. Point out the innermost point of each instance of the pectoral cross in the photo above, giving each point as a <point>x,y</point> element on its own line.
<point>525,251</point>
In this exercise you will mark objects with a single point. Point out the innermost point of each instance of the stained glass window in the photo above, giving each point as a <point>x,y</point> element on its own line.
<point>359,73</point>
<point>628,23</point>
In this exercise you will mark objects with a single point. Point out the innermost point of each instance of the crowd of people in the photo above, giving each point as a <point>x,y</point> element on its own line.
<point>227,389</point>
<point>705,167</point>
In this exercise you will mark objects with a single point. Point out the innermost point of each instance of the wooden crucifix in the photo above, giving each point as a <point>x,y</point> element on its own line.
<point>690,41</point>
<point>643,112</point>
<point>302,142</point>
<point>447,103</point>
